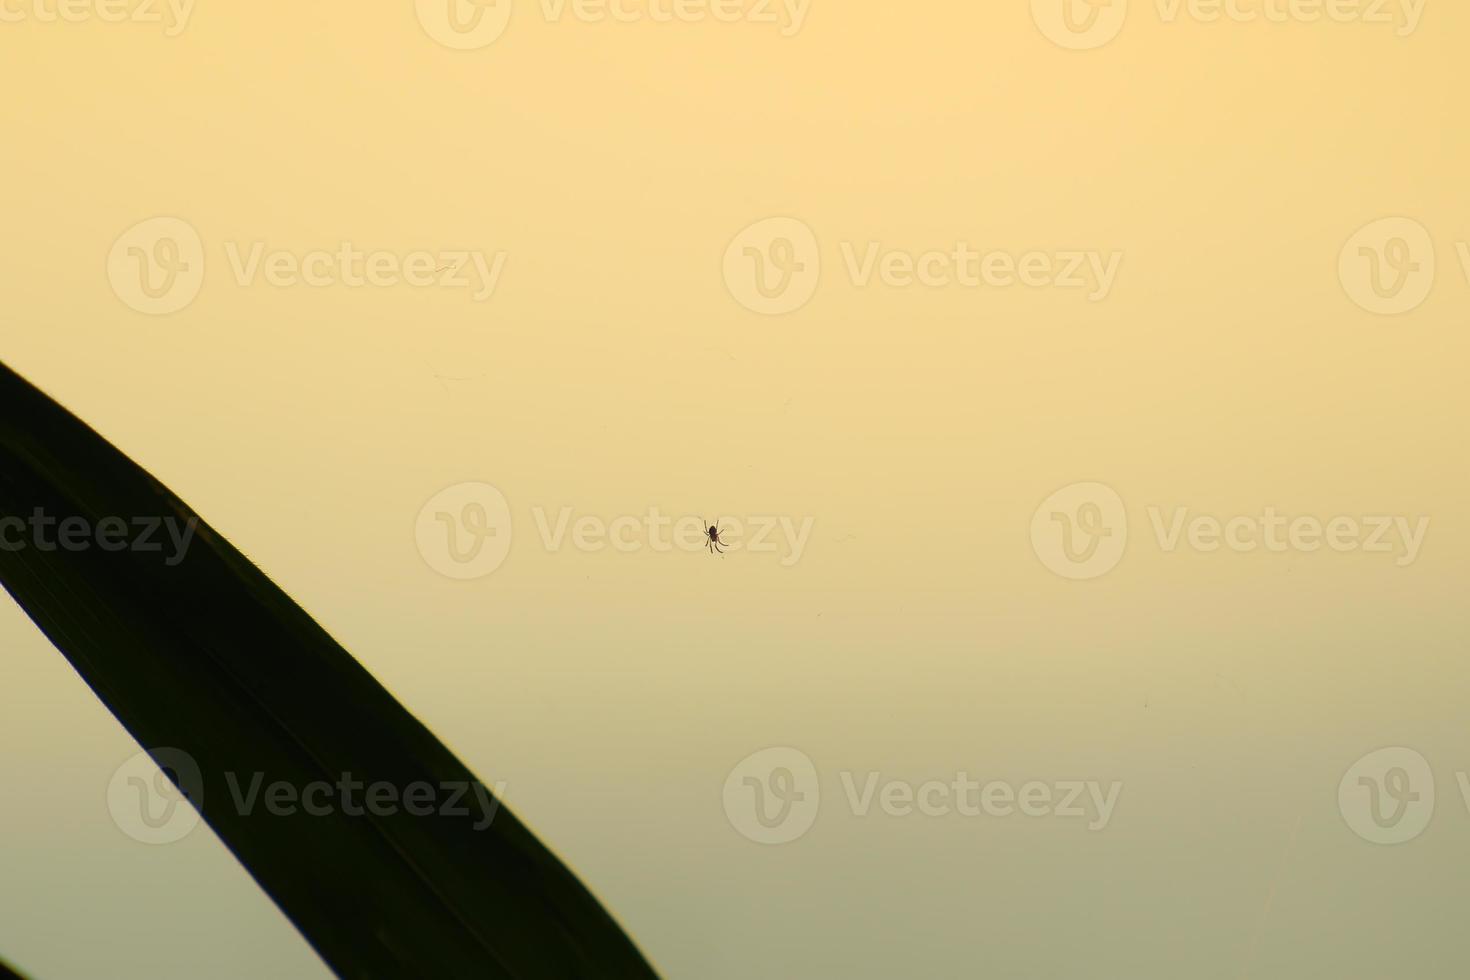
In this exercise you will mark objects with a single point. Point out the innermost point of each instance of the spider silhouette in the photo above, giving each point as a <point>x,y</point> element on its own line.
<point>714,544</point>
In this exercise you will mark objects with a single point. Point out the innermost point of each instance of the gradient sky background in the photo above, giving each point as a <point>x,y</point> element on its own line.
<point>1228,370</point>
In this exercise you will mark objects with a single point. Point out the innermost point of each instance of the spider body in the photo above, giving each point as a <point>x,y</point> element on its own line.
<point>714,544</point>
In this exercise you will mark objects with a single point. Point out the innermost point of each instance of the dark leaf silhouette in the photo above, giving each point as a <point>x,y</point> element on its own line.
<point>206,656</point>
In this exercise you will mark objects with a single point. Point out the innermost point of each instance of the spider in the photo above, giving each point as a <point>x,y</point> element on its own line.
<point>713,533</point>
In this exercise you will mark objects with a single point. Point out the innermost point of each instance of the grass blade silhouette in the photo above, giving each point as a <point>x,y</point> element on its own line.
<point>209,657</point>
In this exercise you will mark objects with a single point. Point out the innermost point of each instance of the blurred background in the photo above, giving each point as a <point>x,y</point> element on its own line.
<point>1265,343</point>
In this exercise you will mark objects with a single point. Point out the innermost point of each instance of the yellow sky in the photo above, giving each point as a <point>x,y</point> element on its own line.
<point>1196,330</point>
